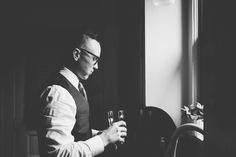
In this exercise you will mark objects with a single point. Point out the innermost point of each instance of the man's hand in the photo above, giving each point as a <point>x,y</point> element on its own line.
<point>116,132</point>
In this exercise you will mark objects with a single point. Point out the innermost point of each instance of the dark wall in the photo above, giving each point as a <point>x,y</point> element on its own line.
<point>49,28</point>
<point>217,76</point>
<point>37,33</point>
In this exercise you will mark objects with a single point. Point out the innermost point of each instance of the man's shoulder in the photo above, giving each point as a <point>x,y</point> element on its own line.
<point>56,94</point>
<point>56,91</point>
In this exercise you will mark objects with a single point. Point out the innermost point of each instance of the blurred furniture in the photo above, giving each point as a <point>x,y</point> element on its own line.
<point>173,146</point>
<point>154,128</point>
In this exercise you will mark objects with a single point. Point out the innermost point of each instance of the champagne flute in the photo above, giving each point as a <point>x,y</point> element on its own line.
<point>110,117</point>
<point>121,116</point>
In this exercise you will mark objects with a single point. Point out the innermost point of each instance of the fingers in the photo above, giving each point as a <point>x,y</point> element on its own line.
<point>120,123</point>
<point>116,132</point>
<point>122,129</point>
<point>122,140</point>
<point>122,134</point>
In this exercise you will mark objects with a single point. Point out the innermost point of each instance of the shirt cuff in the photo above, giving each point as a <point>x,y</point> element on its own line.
<point>96,145</point>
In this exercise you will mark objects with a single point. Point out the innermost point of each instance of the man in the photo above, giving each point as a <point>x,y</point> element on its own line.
<point>64,129</point>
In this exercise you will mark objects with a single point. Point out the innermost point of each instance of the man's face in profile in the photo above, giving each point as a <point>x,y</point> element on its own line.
<point>89,53</point>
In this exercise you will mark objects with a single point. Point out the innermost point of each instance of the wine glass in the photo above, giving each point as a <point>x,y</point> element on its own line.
<point>121,116</point>
<point>110,117</point>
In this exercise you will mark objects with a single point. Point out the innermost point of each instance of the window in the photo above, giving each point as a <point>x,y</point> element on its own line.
<point>171,45</point>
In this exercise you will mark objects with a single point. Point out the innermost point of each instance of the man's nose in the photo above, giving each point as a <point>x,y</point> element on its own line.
<point>95,66</point>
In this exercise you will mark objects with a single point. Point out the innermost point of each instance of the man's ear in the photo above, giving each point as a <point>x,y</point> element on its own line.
<point>76,54</point>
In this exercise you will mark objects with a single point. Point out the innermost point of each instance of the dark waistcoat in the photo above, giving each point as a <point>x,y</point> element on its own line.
<point>81,130</point>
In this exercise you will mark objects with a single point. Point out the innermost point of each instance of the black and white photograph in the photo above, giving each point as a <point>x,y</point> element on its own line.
<point>118,78</point>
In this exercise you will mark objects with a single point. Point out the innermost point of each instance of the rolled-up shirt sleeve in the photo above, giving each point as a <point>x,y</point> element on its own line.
<point>58,119</point>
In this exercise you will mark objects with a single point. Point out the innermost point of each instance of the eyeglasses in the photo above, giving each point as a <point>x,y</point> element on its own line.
<point>96,58</point>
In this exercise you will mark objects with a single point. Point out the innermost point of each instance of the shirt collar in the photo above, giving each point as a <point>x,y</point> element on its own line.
<point>70,76</point>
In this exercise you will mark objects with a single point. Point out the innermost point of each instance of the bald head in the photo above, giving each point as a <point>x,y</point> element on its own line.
<point>90,45</point>
<point>86,39</point>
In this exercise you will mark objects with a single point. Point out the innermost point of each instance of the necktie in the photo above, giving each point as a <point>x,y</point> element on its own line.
<point>82,90</point>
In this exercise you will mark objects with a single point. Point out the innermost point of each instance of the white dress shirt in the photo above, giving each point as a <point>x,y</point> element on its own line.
<point>59,112</point>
